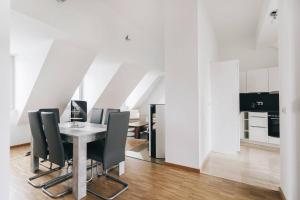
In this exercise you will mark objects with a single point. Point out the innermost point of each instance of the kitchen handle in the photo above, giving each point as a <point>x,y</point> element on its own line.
<point>274,118</point>
<point>257,117</point>
<point>258,126</point>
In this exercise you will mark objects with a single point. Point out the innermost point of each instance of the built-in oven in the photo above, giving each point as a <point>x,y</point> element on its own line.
<point>273,124</point>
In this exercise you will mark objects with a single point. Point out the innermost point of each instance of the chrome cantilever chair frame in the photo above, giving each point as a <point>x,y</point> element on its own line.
<point>62,179</point>
<point>56,181</point>
<point>105,174</point>
<point>31,179</point>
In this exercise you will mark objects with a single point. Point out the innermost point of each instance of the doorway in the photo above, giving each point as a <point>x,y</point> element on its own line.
<point>146,138</point>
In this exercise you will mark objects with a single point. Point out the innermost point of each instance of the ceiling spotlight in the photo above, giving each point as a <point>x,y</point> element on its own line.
<point>60,1</point>
<point>127,38</point>
<point>274,14</point>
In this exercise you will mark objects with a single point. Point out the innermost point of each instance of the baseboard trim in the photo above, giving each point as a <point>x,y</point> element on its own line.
<point>190,169</point>
<point>281,194</point>
<point>19,145</point>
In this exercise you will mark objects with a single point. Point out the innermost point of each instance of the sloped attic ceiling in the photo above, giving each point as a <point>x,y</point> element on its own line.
<point>58,78</point>
<point>120,86</point>
<point>102,25</point>
<point>267,28</point>
<point>98,25</point>
<point>234,20</point>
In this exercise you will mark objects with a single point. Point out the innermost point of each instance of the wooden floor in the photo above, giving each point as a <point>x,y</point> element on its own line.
<point>139,149</point>
<point>146,181</point>
<point>254,165</point>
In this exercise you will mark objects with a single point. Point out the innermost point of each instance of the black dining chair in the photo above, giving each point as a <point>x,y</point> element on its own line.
<point>112,151</point>
<point>54,110</point>
<point>108,111</point>
<point>60,152</point>
<point>96,116</point>
<point>39,145</point>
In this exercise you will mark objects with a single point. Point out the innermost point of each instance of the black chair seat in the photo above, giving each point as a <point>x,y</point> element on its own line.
<point>95,150</point>
<point>68,148</point>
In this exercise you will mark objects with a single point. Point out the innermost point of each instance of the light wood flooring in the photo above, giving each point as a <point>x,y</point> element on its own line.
<point>254,165</point>
<point>139,149</point>
<point>146,181</point>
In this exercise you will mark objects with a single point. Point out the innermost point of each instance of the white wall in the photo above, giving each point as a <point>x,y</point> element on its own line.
<point>61,73</point>
<point>156,96</point>
<point>143,89</point>
<point>289,62</point>
<point>27,69</point>
<point>225,107</point>
<point>181,64</point>
<point>19,133</point>
<point>5,74</point>
<point>97,78</point>
<point>120,86</point>
<point>249,55</point>
<point>207,52</point>
<point>187,37</point>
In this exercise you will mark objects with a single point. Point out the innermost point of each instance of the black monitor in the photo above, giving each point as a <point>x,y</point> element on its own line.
<point>78,111</point>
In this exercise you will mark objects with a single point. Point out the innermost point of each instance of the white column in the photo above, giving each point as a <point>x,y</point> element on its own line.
<point>5,97</point>
<point>289,65</point>
<point>181,65</point>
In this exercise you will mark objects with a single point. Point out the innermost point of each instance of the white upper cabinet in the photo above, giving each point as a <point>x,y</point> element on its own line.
<point>274,79</point>
<point>243,82</point>
<point>258,80</point>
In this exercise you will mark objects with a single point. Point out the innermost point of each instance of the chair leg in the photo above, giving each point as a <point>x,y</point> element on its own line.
<point>61,179</point>
<point>41,163</point>
<point>115,194</point>
<point>97,170</point>
<point>92,174</point>
<point>54,182</point>
<point>30,180</point>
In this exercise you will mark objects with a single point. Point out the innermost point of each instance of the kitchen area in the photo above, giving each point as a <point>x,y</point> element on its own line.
<point>245,98</point>
<point>259,107</point>
<point>245,143</point>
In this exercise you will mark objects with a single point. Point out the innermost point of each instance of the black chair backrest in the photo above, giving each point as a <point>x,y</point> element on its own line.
<point>96,116</point>
<point>52,133</point>
<point>54,110</point>
<point>108,111</point>
<point>115,141</point>
<point>38,136</point>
